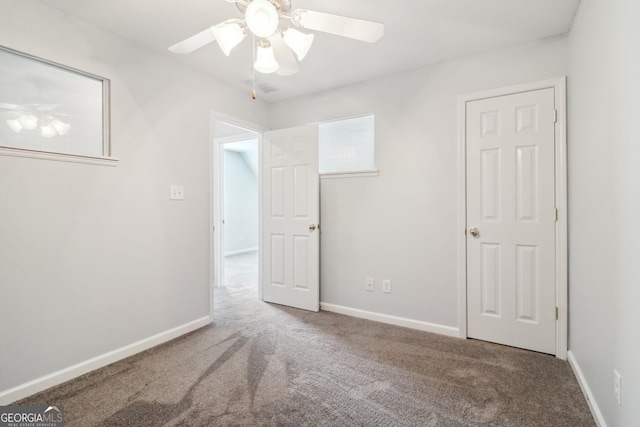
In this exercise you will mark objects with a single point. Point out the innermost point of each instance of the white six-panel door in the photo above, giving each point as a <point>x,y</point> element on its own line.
<point>511,220</point>
<point>291,210</point>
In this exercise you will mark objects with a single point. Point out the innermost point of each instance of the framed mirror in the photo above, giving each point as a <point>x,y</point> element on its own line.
<point>48,110</point>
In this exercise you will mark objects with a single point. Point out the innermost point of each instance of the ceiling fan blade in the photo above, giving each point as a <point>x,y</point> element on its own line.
<point>284,56</point>
<point>358,29</point>
<point>194,42</point>
<point>44,107</point>
<point>8,106</point>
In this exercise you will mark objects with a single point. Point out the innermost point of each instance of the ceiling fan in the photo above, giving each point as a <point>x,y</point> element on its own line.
<point>276,46</point>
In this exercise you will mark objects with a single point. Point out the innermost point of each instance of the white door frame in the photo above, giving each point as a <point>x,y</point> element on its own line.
<point>216,181</point>
<point>559,86</point>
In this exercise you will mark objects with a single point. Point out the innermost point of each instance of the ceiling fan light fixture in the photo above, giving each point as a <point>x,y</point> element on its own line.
<point>298,42</point>
<point>265,60</point>
<point>61,127</point>
<point>229,34</point>
<point>15,125</point>
<point>262,18</point>
<point>28,121</point>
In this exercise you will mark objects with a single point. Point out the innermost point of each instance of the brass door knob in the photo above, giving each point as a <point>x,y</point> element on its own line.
<point>312,227</point>
<point>474,231</point>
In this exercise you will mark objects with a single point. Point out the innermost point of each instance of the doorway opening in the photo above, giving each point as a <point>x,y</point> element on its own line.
<point>240,215</point>
<point>236,187</point>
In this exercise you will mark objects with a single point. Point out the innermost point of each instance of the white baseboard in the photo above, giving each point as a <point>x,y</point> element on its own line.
<point>39,384</point>
<point>591,401</point>
<point>392,320</point>
<point>240,251</point>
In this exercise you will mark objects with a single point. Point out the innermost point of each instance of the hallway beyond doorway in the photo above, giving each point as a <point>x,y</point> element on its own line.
<point>241,272</point>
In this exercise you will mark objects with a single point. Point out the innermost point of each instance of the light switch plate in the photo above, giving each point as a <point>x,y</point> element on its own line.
<point>386,286</point>
<point>369,284</point>
<point>176,192</point>
<point>617,386</point>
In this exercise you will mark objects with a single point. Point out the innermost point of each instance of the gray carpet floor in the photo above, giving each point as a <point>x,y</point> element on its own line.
<point>265,365</point>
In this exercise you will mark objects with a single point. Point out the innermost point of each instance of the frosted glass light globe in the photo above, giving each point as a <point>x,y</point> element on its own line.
<point>298,42</point>
<point>265,60</point>
<point>48,131</point>
<point>28,121</point>
<point>15,125</point>
<point>228,34</point>
<point>61,127</point>
<point>262,18</point>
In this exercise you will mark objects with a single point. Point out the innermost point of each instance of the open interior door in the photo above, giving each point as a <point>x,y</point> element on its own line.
<point>290,214</point>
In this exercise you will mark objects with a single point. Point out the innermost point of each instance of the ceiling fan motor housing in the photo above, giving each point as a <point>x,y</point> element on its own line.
<point>262,17</point>
<point>282,6</point>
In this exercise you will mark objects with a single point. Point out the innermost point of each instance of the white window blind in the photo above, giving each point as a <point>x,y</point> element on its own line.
<point>347,145</point>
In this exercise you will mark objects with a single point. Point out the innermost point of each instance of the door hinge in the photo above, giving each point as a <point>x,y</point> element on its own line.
<point>557,313</point>
<point>555,116</point>
<point>555,213</point>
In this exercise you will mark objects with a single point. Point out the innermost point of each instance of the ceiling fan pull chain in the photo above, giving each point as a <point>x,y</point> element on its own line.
<point>253,50</point>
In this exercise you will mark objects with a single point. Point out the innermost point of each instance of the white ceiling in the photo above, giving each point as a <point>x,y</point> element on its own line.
<point>242,146</point>
<point>417,33</point>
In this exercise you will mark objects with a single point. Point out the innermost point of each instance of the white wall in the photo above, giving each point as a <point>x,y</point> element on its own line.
<point>105,245</point>
<point>240,204</point>
<point>604,147</point>
<point>401,225</point>
<point>94,258</point>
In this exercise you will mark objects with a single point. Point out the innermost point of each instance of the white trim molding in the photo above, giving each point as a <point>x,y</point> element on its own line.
<point>39,384</point>
<point>586,390</point>
<point>449,331</point>
<point>246,130</point>
<point>357,174</point>
<point>61,157</point>
<point>560,92</point>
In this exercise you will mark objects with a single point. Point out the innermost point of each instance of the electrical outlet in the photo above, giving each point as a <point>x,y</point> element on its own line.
<point>176,192</point>
<point>617,386</point>
<point>369,283</point>
<point>386,286</point>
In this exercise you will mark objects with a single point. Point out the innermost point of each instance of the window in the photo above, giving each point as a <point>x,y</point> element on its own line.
<point>347,145</point>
